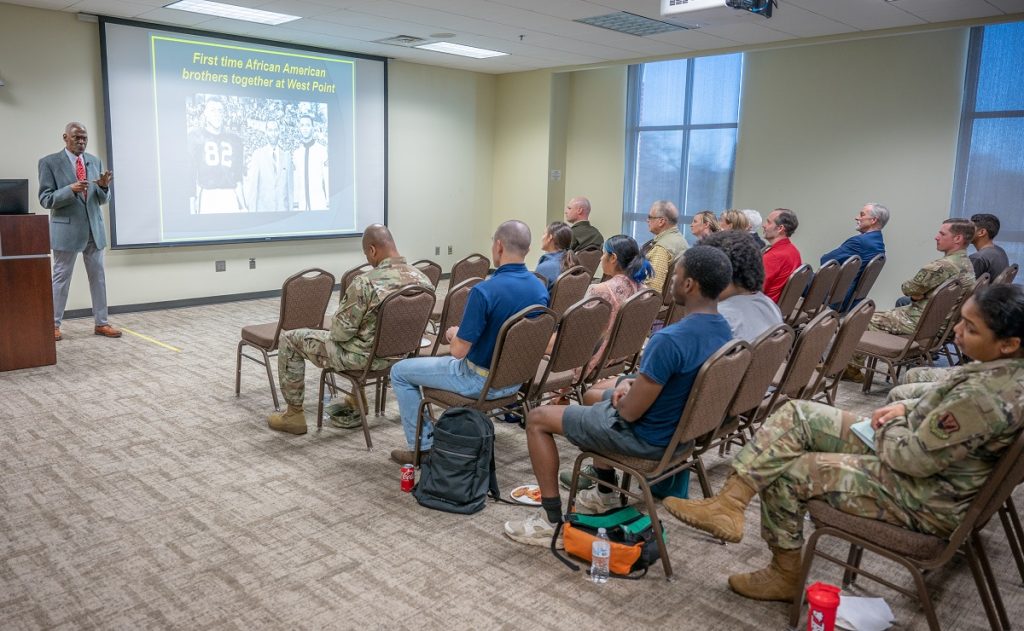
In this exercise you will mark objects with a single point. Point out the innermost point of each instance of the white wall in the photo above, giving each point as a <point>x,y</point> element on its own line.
<point>440,164</point>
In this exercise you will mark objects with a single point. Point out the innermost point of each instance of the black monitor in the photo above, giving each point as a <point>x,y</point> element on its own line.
<point>13,197</point>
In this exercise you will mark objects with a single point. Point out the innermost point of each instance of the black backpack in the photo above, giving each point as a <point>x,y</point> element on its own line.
<point>459,474</point>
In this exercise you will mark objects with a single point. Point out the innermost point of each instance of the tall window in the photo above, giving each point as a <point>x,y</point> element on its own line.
<point>682,121</point>
<point>990,158</point>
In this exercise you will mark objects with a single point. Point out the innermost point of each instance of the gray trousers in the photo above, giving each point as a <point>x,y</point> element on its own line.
<point>64,266</point>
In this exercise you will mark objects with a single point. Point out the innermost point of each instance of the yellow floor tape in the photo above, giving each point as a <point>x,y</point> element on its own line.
<point>149,339</point>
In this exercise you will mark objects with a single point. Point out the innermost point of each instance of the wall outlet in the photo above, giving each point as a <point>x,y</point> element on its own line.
<point>220,266</point>
<point>449,249</point>
<point>437,250</point>
<point>252,263</point>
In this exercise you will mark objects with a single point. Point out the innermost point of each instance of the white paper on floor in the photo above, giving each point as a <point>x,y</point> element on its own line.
<point>863,614</point>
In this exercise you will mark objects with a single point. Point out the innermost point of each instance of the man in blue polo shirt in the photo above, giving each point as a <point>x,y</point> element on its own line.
<point>638,415</point>
<point>511,289</point>
<point>867,245</point>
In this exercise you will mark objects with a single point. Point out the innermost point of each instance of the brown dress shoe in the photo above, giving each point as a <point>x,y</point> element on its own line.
<point>406,456</point>
<point>56,334</point>
<point>107,331</point>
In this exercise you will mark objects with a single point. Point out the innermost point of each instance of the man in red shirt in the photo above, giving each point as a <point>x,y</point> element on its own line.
<point>781,257</point>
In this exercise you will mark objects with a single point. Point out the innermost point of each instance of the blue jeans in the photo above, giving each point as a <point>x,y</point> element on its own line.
<point>443,373</point>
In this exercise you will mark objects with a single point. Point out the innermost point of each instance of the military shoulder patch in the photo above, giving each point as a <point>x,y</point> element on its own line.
<point>945,426</point>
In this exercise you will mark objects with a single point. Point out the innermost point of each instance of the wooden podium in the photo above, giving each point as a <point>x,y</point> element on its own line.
<point>26,293</point>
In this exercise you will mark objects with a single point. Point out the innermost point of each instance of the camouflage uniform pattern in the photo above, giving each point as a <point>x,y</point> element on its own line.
<point>927,469</point>
<point>347,345</point>
<point>903,320</point>
<point>917,381</point>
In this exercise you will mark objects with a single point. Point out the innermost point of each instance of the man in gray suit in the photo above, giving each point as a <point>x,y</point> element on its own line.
<point>73,185</point>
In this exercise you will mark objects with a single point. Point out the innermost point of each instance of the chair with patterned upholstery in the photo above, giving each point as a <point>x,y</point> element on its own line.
<point>866,281</point>
<point>577,335</point>
<point>768,352</point>
<point>916,552</point>
<point>518,350</point>
<point>826,378</point>
<point>627,336</point>
<point>431,269</point>
<point>793,290</point>
<point>304,300</point>
<point>844,283</point>
<point>898,351</point>
<point>816,297</point>
<point>590,258</point>
<point>1007,275</point>
<point>401,318</point>
<point>569,288</point>
<point>452,309</point>
<point>472,266</point>
<point>703,413</point>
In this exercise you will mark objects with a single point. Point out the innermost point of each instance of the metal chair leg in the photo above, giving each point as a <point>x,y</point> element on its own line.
<point>270,378</point>
<point>238,368</point>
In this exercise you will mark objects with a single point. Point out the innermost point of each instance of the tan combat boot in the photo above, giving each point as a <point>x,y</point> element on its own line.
<point>721,515</point>
<point>779,581</point>
<point>292,421</point>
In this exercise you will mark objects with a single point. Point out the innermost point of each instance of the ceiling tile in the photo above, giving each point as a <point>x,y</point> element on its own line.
<point>947,10</point>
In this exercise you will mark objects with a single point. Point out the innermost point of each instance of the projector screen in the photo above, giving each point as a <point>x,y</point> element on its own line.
<point>215,139</point>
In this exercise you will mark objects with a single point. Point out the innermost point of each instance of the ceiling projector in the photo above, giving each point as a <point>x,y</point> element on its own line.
<point>675,7</point>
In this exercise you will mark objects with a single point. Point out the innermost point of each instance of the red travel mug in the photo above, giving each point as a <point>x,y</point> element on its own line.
<point>822,603</point>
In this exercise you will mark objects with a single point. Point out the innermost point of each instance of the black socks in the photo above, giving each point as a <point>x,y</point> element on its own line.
<point>553,507</point>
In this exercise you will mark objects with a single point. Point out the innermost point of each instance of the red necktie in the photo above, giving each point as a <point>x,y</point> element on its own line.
<point>80,173</point>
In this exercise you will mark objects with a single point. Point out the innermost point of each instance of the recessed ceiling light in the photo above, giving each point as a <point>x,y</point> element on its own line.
<point>219,9</point>
<point>459,49</point>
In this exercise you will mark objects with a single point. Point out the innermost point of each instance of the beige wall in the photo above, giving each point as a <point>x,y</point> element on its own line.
<point>441,126</point>
<point>596,154</point>
<point>826,128</point>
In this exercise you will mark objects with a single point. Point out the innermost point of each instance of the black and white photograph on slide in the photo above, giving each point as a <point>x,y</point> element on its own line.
<point>241,141</point>
<point>215,153</point>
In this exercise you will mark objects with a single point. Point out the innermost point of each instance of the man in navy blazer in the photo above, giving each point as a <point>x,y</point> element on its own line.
<point>867,244</point>
<point>73,186</point>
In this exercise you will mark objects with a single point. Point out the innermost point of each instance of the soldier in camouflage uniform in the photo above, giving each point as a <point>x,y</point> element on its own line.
<point>930,456</point>
<point>952,240</point>
<point>347,345</point>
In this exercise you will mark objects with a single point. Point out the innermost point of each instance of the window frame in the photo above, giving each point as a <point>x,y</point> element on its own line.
<point>968,115</point>
<point>634,130</point>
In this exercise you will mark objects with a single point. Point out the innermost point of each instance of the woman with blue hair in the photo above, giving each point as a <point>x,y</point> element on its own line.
<point>626,270</point>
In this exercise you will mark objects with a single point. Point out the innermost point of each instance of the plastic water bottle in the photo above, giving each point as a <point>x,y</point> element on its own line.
<point>600,554</point>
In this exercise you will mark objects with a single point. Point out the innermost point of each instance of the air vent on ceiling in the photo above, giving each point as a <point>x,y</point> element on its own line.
<point>403,40</point>
<point>632,24</point>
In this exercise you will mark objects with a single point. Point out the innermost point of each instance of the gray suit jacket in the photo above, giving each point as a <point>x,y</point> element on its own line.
<point>71,218</point>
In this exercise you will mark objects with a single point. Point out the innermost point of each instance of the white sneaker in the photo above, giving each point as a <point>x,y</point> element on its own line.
<point>534,531</point>
<point>592,501</point>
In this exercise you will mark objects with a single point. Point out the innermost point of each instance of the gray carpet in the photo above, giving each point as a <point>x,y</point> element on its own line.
<point>138,492</point>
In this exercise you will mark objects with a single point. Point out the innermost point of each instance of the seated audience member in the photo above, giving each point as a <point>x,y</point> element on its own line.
<point>347,345</point>
<point>555,244</point>
<point>627,270</point>
<point>703,224</point>
<point>781,258</point>
<point>508,291</point>
<point>748,311</point>
<point>989,257</point>
<point>734,220</point>
<point>867,244</point>
<point>584,235</point>
<point>668,243</point>
<point>952,240</point>
<point>639,415</point>
<point>930,457</point>
<point>755,221</point>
